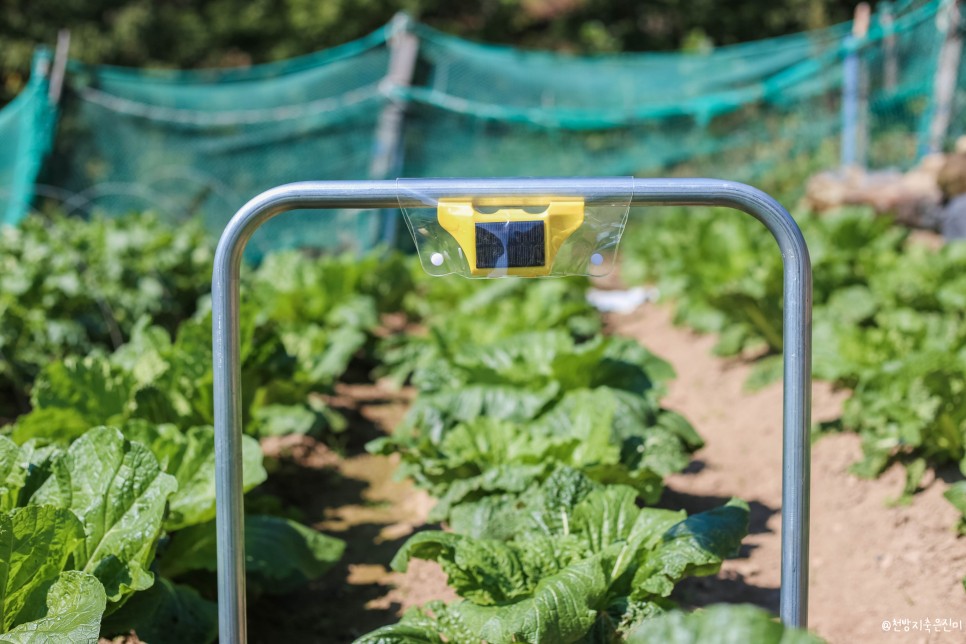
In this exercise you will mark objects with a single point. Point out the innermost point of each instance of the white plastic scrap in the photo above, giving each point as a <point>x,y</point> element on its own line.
<point>621,301</point>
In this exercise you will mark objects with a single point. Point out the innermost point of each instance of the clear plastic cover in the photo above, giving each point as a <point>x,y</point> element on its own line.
<point>547,228</point>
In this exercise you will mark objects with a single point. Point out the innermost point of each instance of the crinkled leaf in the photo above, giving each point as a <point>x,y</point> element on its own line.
<point>119,492</point>
<point>97,390</point>
<point>434,623</point>
<point>53,425</point>
<point>629,614</point>
<point>144,355</point>
<point>36,543</point>
<point>612,436</point>
<point>605,517</point>
<point>721,623</point>
<point>74,604</point>
<point>499,480</point>
<point>13,474</point>
<point>485,571</point>
<point>503,511</point>
<point>563,607</point>
<point>433,412</point>
<point>490,571</point>
<point>417,630</point>
<point>190,457</point>
<point>609,515</point>
<point>695,546</point>
<point>574,563</point>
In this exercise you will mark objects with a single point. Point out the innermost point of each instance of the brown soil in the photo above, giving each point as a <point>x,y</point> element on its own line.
<point>871,560</point>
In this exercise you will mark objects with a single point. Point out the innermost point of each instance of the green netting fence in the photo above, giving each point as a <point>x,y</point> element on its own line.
<point>202,142</point>
<point>26,132</point>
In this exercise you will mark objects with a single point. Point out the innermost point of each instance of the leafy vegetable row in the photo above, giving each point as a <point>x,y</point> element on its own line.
<point>68,286</point>
<point>110,524</point>
<point>132,375</point>
<point>540,438</point>
<point>888,318</point>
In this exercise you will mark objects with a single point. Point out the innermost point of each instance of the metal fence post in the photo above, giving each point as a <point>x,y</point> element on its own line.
<point>890,58</point>
<point>387,151</point>
<point>60,66</point>
<point>947,75</point>
<point>797,351</point>
<point>853,100</point>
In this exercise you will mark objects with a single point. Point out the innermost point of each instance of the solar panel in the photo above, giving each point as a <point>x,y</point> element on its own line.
<point>510,244</point>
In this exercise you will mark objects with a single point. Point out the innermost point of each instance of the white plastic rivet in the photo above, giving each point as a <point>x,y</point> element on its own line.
<point>596,259</point>
<point>436,259</point>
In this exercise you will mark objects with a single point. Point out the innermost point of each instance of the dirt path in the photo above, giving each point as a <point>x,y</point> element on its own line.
<point>353,496</point>
<point>870,561</point>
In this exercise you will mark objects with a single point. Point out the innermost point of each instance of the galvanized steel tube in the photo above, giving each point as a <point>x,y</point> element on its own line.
<point>386,194</point>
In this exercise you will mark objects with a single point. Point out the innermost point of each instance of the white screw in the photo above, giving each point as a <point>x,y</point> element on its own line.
<point>596,259</point>
<point>436,259</point>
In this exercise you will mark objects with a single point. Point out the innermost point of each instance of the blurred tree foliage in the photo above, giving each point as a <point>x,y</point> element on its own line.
<point>217,33</point>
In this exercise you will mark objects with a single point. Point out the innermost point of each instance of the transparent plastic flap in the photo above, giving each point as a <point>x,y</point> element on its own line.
<point>483,228</point>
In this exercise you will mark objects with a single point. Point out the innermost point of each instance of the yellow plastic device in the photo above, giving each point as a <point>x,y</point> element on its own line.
<point>511,241</point>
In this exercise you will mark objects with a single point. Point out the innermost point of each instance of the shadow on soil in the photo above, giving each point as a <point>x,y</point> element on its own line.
<point>330,610</point>
<point>309,477</point>
<point>731,588</point>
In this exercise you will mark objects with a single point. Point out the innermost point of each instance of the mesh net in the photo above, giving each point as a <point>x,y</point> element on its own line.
<point>26,128</point>
<point>203,143</point>
<point>749,112</point>
<point>766,112</point>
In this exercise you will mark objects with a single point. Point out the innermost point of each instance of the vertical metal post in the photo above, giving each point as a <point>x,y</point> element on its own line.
<point>862,117</point>
<point>60,66</point>
<point>797,349</point>
<point>229,494</point>
<point>947,75</point>
<point>850,101</point>
<point>797,392</point>
<point>890,59</point>
<point>853,118</point>
<point>387,152</point>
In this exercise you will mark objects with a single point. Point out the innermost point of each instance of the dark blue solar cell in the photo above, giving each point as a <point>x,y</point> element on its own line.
<point>510,244</point>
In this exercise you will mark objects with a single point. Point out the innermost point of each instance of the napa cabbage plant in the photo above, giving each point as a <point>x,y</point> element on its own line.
<point>575,562</point>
